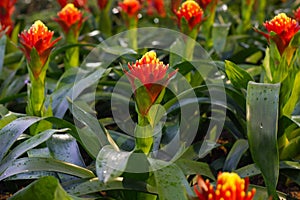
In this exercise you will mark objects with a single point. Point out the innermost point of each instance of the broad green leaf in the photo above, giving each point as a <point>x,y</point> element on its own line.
<point>10,133</point>
<point>27,145</point>
<point>252,169</point>
<point>238,77</point>
<point>22,165</point>
<point>110,163</point>
<point>248,171</point>
<point>12,58</point>
<point>155,114</point>
<point>262,100</point>
<point>90,121</point>
<point>65,148</point>
<point>262,194</point>
<point>94,185</point>
<point>219,36</point>
<point>45,188</point>
<point>291,150</point>
<point>171,183</point>
<point>2,51</point>
<point>289,107</point>
<point>235,154</point>
<point>189,167</point>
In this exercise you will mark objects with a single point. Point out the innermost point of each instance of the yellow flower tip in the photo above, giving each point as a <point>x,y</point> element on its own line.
<point>70,8</point>
<point>210,196</point>
<point>38,27</point>
<point>243,194</point>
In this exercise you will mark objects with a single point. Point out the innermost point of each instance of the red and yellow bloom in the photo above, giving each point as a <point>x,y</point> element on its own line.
<point>229,186</point>
<point>130,7</point>
<point>191,12</point>
<point>70,18</point>
<point>152,74</point>
<point>284,27</point>
<point>38,37</point>
<point>7,8</point>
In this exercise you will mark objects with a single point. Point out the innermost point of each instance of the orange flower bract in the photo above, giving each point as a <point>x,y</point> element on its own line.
<point>153,75</point>
<point>70,17</point>
<point>7,8</point>
<point>191,12</point>
<point>130,7</point>
<point>229,186</point>
<point>285,28</point>
<point>40,38</point>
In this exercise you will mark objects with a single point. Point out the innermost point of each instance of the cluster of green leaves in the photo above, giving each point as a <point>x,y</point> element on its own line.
<point>85,141</point>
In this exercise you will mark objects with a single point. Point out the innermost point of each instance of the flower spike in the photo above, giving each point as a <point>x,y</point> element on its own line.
<point>191,12</point>
<point>39,38</point>
<point>152,74</point>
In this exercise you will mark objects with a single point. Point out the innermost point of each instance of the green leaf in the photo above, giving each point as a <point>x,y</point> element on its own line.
<point>262,194</point>
<point>291,150</point>
<point>189,167</point>
<point>155,114</point>
<point>171,183</point>
<point>45,188</point>
<point>10,133</point>
<point>65,148</point>
<point>111,163</point>
<point>262,100</point>
<point>94,185</point>
<point>45,164</point>
<point>235,154</point>
<point>219,36</point>
<point>238,77</point>
<point>90,121</point>
<point>2,51</point>
<point>289,107</point>
<point>27,145</point>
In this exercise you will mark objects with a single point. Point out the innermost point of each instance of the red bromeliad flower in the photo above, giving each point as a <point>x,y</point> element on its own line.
<point>102,4</point>
<point>38,37</point>
<point>7,8</point>
<point>77,3</point>
<point>191,12</point>
<point>157,5</point>
<point>229,186</point>
<point>70,18</point>
<point>130,7</point>
<point>297,15</point>
<point>284,27</point>
<point>152,74</point>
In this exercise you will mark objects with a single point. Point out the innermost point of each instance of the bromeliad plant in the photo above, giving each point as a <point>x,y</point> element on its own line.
<point>189,18</point>
<point>37,44</point>
<point>130,10</point>
<point>71,20</point>
<point>148,77</point>
<point>277,95</point>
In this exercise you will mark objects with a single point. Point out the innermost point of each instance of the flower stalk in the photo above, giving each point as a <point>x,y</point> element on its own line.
<point>37,45</point>
<point>71,20</point>
<point>130,9</point>
<point>148,78</point>
<point>189,18</point>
